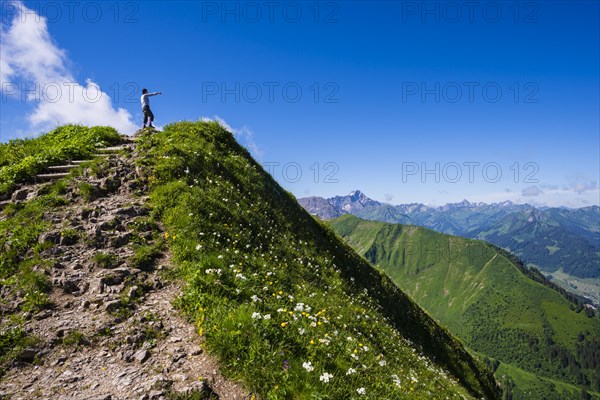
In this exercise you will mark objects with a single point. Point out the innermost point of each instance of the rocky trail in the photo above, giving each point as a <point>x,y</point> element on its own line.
<point>111,331</point>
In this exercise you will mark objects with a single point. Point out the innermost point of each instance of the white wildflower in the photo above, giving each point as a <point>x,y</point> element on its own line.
<point>325,377</point>
<point>308,366</point>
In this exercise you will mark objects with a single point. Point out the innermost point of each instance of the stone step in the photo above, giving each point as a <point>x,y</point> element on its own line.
<point>56,168</point>
<point>49,177</point>
<point>113,149</point>
<point>77,162</point>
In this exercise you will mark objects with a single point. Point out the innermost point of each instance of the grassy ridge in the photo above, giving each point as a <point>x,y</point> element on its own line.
<point>21,159</point>
<point>289,308</point>
<point>482,297</point>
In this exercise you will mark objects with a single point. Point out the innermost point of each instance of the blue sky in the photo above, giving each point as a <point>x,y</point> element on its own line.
<point>408,101</point>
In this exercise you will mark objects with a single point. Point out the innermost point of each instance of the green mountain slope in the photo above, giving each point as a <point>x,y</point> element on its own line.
<point>289,308</point>
<point>478,292</point>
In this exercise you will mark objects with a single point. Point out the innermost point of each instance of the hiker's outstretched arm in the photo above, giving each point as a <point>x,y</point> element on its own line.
<point>154,94</point>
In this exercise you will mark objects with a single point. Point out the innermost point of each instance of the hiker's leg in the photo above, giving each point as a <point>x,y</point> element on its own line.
<point>151,116</point>
<point>145,111</point>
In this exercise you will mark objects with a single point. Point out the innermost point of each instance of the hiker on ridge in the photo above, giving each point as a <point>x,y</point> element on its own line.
<point>146,107</point>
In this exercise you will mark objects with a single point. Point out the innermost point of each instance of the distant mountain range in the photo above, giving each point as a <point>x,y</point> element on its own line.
<point>547,238</point>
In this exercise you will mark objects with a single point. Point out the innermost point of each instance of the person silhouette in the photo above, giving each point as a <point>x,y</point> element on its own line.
<point>148,115</point>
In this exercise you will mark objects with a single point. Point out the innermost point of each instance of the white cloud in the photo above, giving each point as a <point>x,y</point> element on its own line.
<point>5,69</point>
<point>28,49</point>
<point>30,60</point>
<point>547,197</point>
<point>531,191</point>
<point>580,184</point>
<point>243,135</point>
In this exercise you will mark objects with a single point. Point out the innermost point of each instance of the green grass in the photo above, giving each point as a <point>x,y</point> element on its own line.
<point>21,159</point>
<point>13,340</point>
<point>105,260</point>
<point>481,296</point>
<point>75,338</point>
<point>20,263</point>
<point>87,191</point>
<point>532,386</point>
<point>144,224</point>
<point>69,234</point>
<point>144,256</point>
<point>204,394</point>
<point>278,297</point>
<point>22,267</point>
